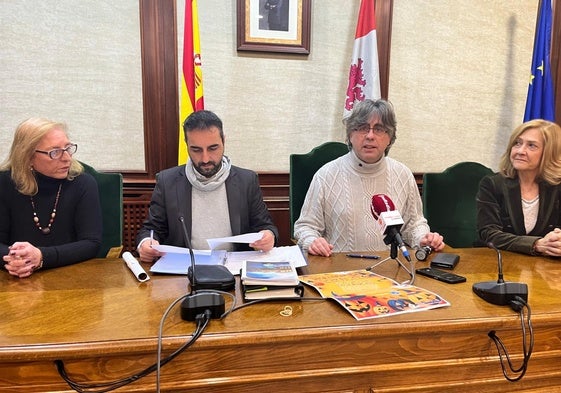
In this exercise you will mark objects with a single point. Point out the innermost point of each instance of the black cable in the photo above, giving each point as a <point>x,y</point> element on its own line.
<point>519,305</point>
<point>233,297</point>
<point>102,387</point>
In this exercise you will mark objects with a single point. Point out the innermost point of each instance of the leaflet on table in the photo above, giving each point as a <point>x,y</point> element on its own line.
<point>367,295</point>
<point>176,260</point>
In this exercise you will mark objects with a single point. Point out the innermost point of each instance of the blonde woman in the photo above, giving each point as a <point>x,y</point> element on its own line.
<point>519,208</point>
<point>50,213</point>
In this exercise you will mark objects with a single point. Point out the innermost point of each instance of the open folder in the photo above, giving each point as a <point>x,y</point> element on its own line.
<point>177,260</point>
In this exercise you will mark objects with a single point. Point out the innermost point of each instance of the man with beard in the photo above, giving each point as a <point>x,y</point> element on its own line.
<point>215,198</point>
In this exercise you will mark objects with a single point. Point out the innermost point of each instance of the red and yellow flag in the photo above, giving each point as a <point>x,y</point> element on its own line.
<point>191,90</point>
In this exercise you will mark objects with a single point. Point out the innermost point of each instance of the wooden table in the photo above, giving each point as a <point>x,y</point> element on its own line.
<point>104,325</point>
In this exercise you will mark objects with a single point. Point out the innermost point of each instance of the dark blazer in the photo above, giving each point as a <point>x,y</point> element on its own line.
<point>499,213</point>
<point>172,198</point>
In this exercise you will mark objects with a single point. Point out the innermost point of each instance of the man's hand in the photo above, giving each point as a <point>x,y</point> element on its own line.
<point>320,247</point>
<point>434,240</point>
<point>266,242</point>
<point>146,252</point>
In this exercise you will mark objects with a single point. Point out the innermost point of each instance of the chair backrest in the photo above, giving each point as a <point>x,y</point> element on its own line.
<point>302,169</point>
<point>449,202</point>
<point>110,186</point>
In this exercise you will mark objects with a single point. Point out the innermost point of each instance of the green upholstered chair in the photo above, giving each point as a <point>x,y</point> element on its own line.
<point>302,169</point>
<point>110,187</point>
<point>449,202</point>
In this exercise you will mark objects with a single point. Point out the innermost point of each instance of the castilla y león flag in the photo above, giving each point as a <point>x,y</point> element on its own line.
<point>364,75</point>
<point>191,86</point>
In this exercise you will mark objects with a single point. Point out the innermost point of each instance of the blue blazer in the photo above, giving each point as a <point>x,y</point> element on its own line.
<point>171,199</point>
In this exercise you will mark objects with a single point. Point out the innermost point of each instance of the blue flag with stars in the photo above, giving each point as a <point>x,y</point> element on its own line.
<point>540,101</point>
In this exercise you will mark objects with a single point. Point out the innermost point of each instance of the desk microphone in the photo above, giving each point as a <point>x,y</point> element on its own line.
<point>198,303</point>
<point>389,221</point>
<point>500,292</point>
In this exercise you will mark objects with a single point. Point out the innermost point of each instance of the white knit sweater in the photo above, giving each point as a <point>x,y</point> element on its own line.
<point>337,205</point>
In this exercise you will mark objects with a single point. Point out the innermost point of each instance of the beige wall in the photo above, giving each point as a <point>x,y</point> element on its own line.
<point>458,79</point>
<point>78,62</point>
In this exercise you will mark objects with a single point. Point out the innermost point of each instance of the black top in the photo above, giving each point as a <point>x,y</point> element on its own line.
<point>77,228</point>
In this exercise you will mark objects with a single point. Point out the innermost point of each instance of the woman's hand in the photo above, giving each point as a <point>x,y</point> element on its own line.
<point>23,259</point>
<point>550,244</point>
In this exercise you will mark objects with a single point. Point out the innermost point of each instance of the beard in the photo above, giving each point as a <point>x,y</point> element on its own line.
<point>208,169</point>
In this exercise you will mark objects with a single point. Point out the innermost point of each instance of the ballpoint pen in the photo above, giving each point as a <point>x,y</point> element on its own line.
<point>151,236</point>
<point>363,256</point>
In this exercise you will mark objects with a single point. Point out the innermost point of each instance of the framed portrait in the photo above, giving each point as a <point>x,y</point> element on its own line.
<point>274,25</point>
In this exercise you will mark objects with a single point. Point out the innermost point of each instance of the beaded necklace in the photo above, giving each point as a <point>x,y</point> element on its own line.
<point>46,230</point>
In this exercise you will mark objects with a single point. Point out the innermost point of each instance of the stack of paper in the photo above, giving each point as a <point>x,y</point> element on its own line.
<point>176,260</point>
<point>270,279</point>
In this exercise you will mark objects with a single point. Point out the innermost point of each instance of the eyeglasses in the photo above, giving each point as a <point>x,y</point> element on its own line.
<point>377,129</point>
<point>57,153</point>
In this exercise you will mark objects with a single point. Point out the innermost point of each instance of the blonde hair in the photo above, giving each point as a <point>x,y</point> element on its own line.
<point>27,137</point>
<point>550,164</point>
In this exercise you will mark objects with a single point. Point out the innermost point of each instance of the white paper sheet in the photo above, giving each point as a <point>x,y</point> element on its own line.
<point>245,238</point>
<point>234,260</point>
<point>177,261</point>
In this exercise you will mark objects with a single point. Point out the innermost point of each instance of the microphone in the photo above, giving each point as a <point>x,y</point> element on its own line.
<point>422,252</point>
<point>500,292</point>
<point>135,267</point>
<point>199,303</point>
<point>389,222</point>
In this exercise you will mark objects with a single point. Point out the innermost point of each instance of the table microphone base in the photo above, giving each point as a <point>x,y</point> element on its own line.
<point>501,293</point>
<point>198,303</point>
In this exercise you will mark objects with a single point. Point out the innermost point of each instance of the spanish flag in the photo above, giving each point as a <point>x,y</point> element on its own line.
<point>191,90</point>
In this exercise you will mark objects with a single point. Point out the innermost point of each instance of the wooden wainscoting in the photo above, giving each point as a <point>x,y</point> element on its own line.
<point>274,185</point>
<point>136,201</point>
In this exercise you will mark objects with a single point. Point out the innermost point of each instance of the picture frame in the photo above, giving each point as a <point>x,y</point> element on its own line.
<point>274,26</point>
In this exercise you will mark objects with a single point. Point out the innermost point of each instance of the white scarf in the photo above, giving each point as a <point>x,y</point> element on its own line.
<point>203,183</point>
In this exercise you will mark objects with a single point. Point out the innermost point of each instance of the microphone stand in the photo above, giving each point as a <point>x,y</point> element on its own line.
<point>394,256</point>
<point>199,303</point>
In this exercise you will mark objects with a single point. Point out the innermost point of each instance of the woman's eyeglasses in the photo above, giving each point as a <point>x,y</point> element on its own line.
<point>57,153</point>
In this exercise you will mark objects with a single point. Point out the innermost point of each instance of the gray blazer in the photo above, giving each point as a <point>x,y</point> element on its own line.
<point>171,199</point>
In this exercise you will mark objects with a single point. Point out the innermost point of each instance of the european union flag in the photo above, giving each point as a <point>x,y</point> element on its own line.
<point>540,103</point>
